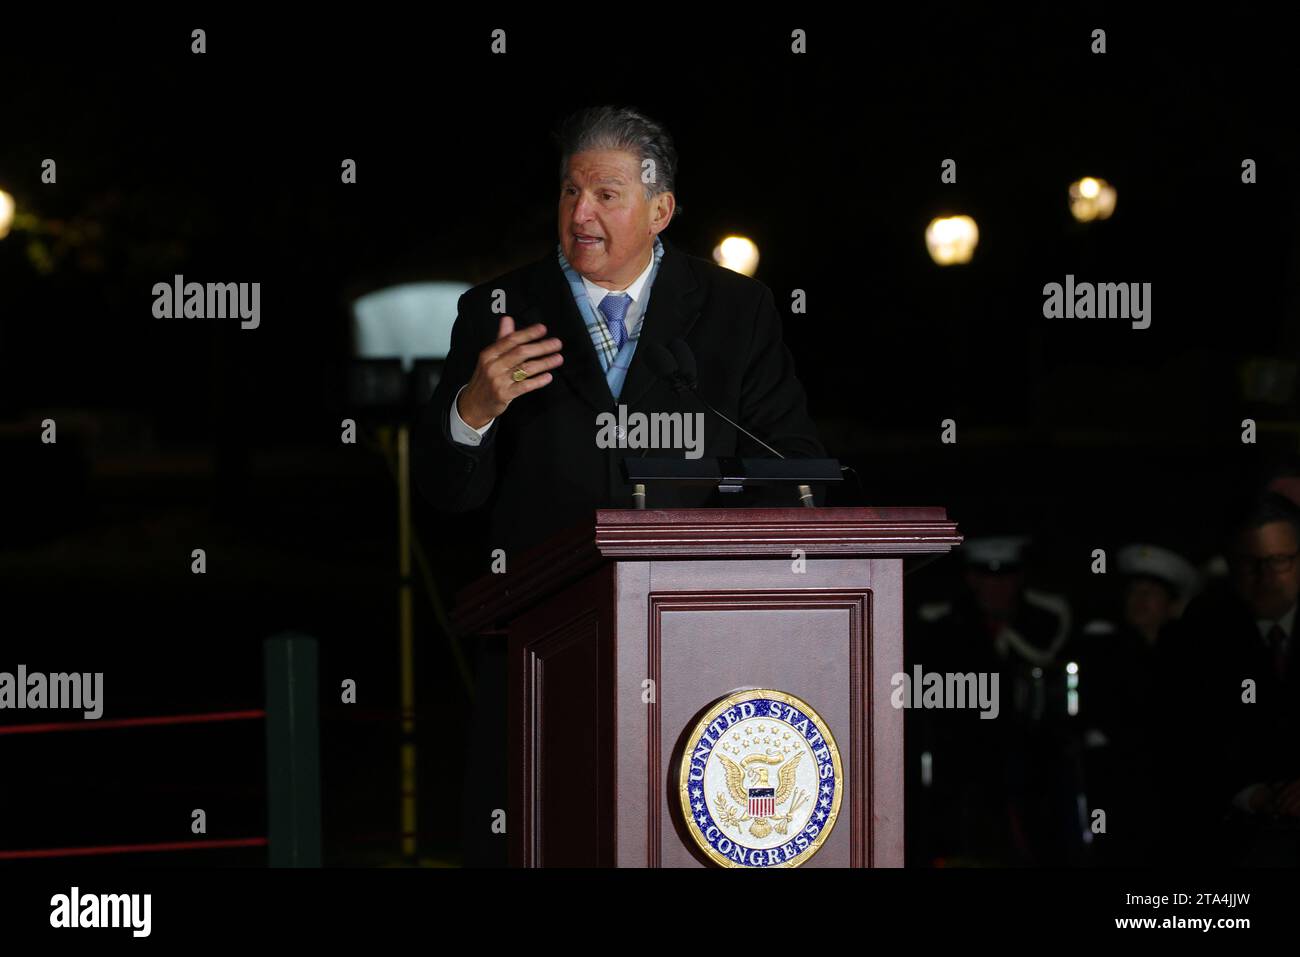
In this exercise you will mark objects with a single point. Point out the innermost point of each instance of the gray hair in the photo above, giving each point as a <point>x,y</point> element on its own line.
<point>621,128</point>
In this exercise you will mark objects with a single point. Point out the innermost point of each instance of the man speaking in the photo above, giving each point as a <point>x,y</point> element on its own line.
<point>541,356</point>
<point>540,353</point>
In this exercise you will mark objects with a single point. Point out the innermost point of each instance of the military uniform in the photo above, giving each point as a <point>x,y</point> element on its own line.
<point>1123,707</point>
<point>994,791</point>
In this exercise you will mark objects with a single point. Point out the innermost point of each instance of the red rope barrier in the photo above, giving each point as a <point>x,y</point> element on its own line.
<point>133,722</point>
<point>131,848</point>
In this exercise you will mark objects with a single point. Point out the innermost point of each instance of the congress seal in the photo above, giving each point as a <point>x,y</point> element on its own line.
<point>761,781</point>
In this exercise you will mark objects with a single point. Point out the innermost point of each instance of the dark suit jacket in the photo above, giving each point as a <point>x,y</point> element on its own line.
<point>1231,744</point>
<point>539,469</point>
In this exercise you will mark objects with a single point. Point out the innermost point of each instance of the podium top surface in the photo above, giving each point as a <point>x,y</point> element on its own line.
<point>616,534</point>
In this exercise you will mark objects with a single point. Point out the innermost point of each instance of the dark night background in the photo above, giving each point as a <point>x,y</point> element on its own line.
<point>177,434</point>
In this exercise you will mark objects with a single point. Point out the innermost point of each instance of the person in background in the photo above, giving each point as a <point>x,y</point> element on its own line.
<point>1237,694</point>
<point>993,792</point>
<point>1119,664</point>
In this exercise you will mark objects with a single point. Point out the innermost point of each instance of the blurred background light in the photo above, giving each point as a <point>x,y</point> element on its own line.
<point>408,322</point>
<point>738,254</point>
<point>6,213</point>
<point>1092,198</point>
<point>952,239</point>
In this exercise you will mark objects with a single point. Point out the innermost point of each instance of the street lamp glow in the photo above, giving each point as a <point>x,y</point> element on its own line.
<point>1092,198</point>
<point>952,239</point>
<point>738,254</point>
<point>6,213</point>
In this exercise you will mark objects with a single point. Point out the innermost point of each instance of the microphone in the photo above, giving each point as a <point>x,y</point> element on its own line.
<point>685,360</point>
<point>679,369</point>
<point>664,365</point>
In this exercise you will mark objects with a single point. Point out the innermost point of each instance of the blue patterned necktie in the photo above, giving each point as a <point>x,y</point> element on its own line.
<point>614,308</point>
<point>1277,643</point>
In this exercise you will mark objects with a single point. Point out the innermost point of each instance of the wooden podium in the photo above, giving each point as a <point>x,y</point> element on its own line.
<point>622,633</point>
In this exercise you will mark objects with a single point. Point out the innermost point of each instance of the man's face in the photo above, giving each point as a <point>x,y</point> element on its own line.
<point>1148,605</point>
<point>1270,591</point>
<point>602,199</point>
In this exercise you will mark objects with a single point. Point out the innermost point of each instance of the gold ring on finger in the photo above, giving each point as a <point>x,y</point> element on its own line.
<point>519,375</point>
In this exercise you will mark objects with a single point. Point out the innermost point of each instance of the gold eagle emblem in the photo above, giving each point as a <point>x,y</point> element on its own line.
<point>754,767</point>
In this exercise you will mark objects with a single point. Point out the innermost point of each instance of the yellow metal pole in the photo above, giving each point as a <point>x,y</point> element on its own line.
<point>408,757</point>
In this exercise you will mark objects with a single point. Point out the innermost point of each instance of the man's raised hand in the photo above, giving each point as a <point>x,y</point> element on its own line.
<point>491,388</point>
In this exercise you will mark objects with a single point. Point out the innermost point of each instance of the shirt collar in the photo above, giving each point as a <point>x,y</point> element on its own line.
<point>597,293</point>
<point>1287,622</point>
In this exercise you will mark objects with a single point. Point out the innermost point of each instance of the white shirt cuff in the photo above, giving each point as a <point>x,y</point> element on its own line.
<point>462,433</point>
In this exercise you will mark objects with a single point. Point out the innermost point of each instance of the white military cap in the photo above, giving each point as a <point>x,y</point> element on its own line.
<point>1156,562</point>
<point>995,552</point>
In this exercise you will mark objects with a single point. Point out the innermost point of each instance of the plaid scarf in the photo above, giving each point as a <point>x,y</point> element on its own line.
<point>615,363</point>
